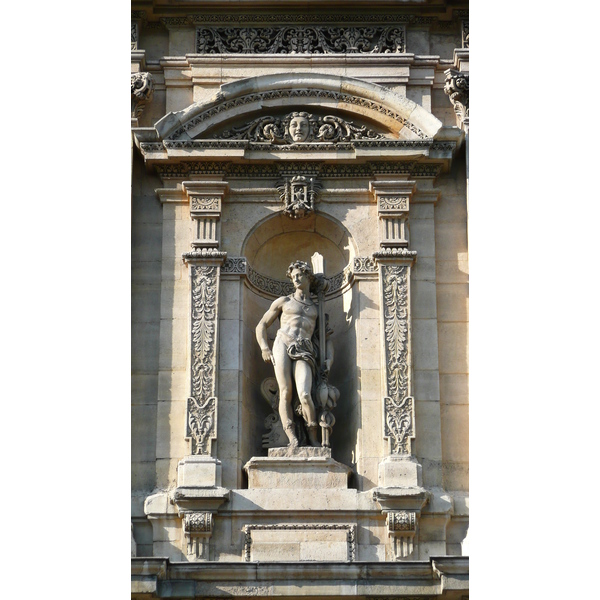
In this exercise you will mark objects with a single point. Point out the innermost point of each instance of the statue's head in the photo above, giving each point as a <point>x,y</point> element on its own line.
<point>303,267</point>
<point>299,126</point>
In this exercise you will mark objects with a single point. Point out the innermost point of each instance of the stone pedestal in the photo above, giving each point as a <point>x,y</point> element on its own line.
<point>297,468</point>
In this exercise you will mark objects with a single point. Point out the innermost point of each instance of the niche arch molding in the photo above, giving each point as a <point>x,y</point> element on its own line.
<point>282,240</point>
<point>394,113</point>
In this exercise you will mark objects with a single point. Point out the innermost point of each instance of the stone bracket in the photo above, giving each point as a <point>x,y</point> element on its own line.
<point>402,508</point>
<point>402,529</point>
<point>197,505</point>
<point>197,531</point>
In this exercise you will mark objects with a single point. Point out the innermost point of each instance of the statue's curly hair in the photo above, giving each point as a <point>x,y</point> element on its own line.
<point>302,266</point>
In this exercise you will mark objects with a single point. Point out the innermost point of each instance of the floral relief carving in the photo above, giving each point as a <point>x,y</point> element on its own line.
<point>398,406</point>
<point>300,127</point>
<point>300,39</point>
<point>202,405</point>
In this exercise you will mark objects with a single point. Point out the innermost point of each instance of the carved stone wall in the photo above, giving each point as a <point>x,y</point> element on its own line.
<point>261,156</point>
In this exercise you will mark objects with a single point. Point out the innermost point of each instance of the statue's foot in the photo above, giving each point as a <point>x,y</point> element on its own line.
<point>312,437</point>
<point>293,442</point>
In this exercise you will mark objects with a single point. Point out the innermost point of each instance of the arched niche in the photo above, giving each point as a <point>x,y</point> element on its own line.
<point>269,249</point>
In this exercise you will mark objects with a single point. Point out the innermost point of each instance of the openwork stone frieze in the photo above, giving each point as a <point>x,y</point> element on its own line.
<point>276,288</point>
<point>364,264</point>
<point>299,94</point>
<point>398,405</point>
<point>300,127</point>
<point>202,405</point>
<point>236,265</point>
<point>350,529</point>
<point>300,39</point>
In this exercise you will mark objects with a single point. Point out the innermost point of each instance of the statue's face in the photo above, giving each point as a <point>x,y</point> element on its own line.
<point>299,129</point>
<point>300,279</point>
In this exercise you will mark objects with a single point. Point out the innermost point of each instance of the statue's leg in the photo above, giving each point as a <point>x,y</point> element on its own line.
<point>283,374</point>
<point>303,377</point>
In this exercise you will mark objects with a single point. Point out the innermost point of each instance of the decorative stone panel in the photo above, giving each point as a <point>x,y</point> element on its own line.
<point>306,540</point>
<point>299,195</point>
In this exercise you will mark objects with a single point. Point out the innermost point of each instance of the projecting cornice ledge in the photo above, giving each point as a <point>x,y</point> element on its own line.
<point>160,578</point>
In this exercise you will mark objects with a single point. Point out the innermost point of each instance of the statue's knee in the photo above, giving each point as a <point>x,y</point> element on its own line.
<point>304,399</point>
<point>285,393</point>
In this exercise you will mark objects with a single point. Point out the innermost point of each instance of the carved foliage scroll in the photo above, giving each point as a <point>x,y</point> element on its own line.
<point>398,405</point>
<point>299,39</point>
<point>301,127</point>
<point>202,405</point>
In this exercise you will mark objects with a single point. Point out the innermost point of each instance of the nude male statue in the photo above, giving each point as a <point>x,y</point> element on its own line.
<point>293,355</point>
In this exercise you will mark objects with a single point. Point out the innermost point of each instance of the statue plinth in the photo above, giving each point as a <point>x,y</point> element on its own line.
<point>305,467</point>
<point>300,452</point>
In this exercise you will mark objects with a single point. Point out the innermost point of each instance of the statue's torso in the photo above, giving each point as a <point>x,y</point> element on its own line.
<point>298,318</point>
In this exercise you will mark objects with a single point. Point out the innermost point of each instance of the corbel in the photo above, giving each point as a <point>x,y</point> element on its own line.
<point>197,531</point>
<point>402,510</point>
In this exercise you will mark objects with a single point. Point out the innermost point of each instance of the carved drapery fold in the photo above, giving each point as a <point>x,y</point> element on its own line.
<point>398,405</point>
<point>301,39</point>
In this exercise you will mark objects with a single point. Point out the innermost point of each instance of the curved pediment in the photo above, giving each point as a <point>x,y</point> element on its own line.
<point>375,112</point>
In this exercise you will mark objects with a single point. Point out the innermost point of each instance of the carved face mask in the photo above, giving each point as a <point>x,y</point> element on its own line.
<point>299,129</point>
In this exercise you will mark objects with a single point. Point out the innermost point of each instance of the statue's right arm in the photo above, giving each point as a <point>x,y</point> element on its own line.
<point>261,329</point>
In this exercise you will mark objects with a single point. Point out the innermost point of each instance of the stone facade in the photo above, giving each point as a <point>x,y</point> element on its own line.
<point>225,196</point>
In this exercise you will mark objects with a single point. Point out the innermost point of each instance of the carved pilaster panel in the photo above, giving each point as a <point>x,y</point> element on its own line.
<point>202,404</point>
<point>398,405</point>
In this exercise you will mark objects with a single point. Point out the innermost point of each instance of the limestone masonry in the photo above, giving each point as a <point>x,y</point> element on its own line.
<point>299,299</point>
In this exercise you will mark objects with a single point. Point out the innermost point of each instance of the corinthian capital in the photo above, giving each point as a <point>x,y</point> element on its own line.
<point>142,89</point>
<point>457,88</point>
